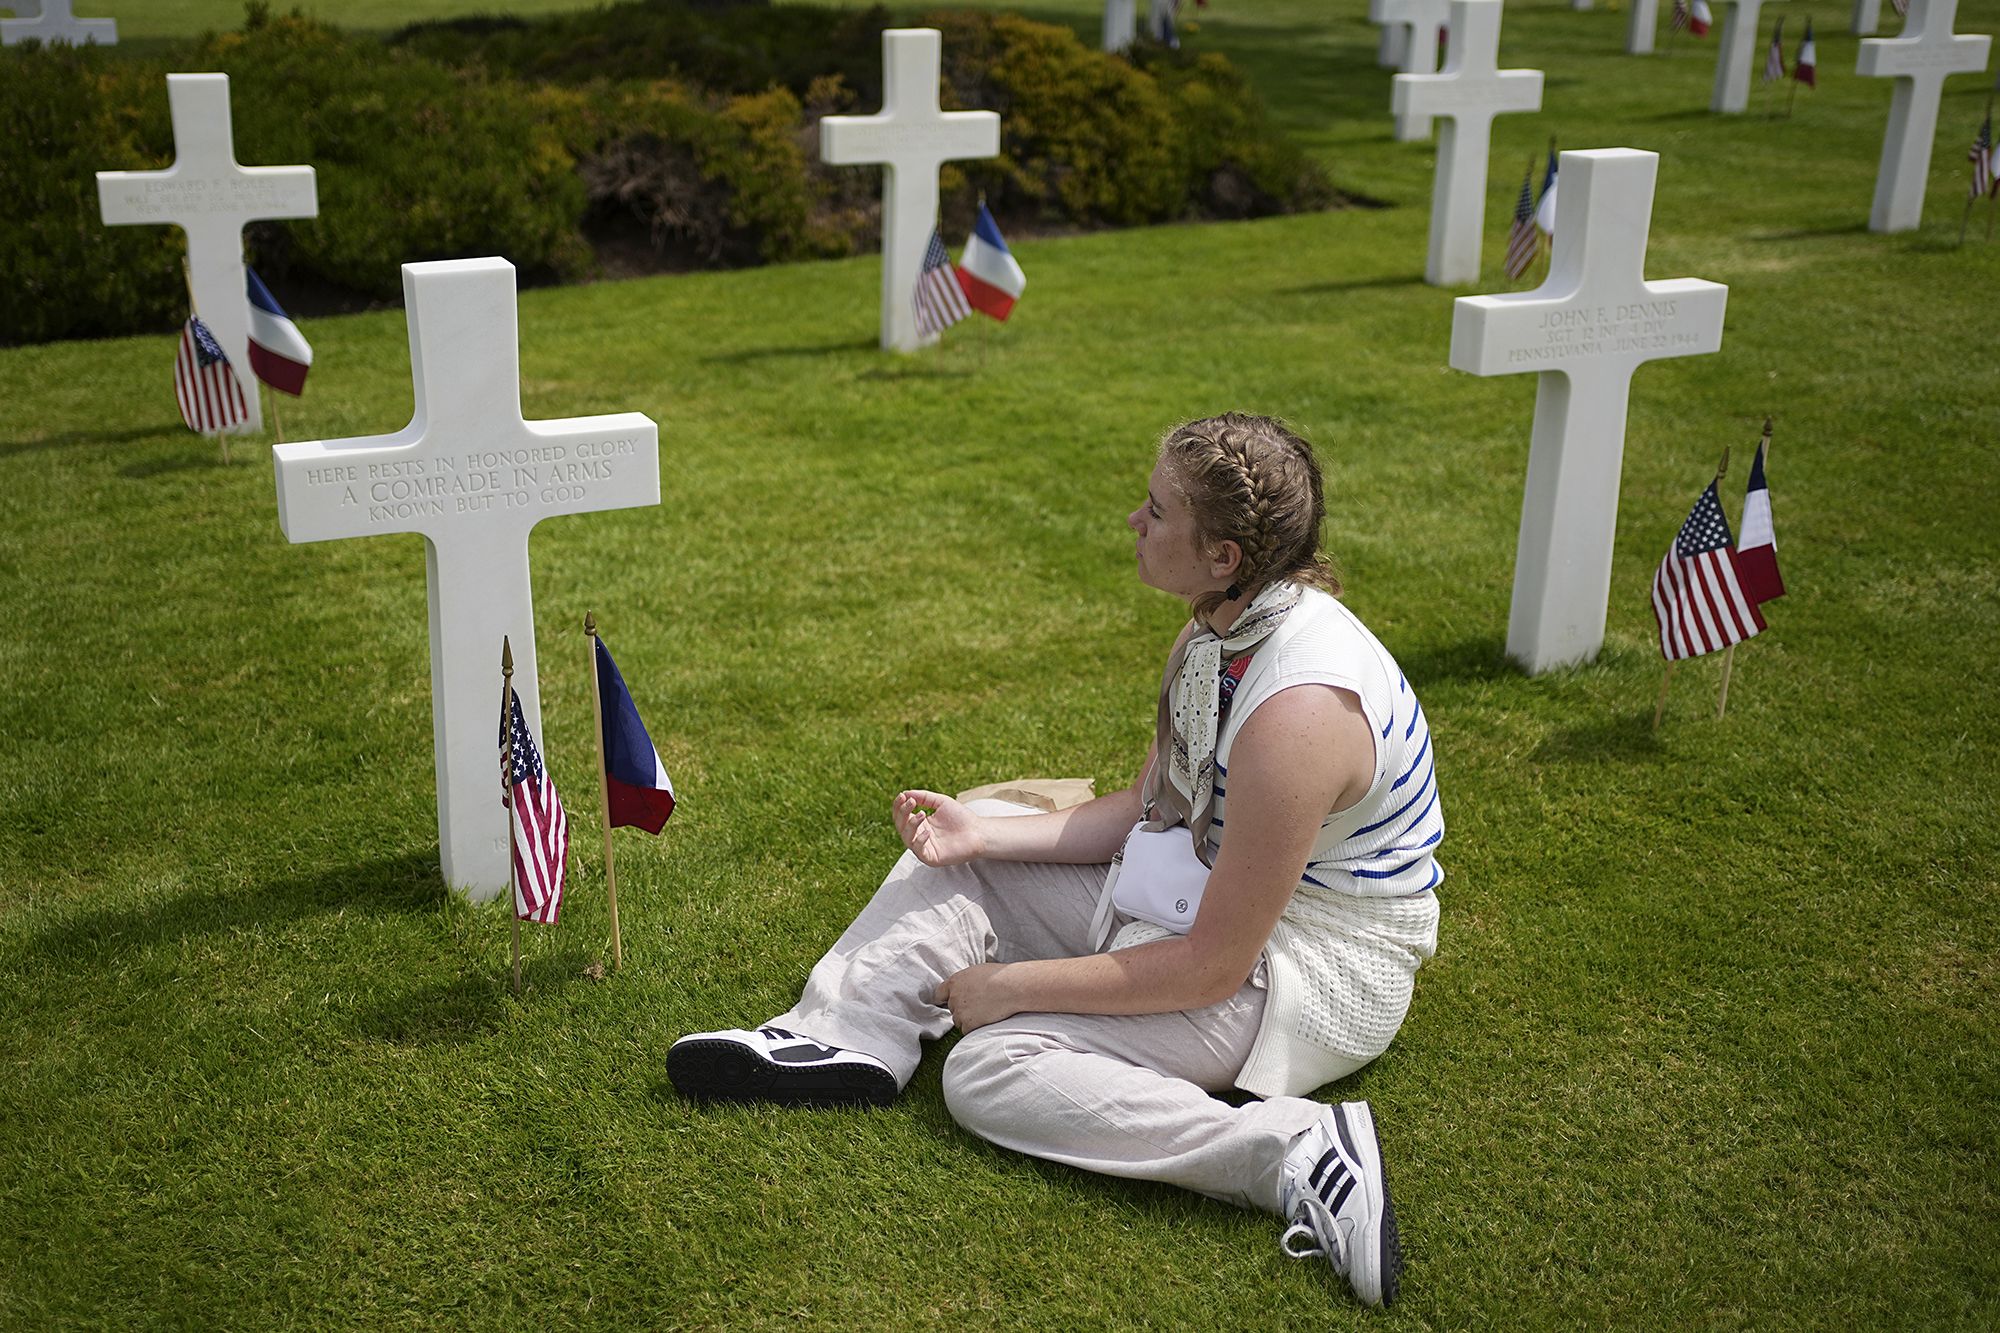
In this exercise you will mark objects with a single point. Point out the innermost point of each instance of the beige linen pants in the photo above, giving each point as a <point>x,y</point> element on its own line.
<point>1122,1095</point>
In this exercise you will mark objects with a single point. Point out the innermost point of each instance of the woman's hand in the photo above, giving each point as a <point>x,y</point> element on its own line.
<point>976,996</point>
<point>938,829</point>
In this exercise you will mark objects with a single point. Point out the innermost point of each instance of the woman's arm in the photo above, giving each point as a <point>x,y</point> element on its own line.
<point>1305,752</point>
<point>943,832</point>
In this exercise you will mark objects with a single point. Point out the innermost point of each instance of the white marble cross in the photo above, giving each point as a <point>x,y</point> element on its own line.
<point>911,138</point>
<point>1640,25</point>
<point>54,22</point>
<point>1736,53</point>
<point>1120,25</point>
<point>1867,17</point>
<point>1465,95</point>
<point>209,198</point>
<point>1422,20</point>
<point>1394,47</point>
<point>1592,323</point>
<point>473,476</point>
<point>1919,62</point>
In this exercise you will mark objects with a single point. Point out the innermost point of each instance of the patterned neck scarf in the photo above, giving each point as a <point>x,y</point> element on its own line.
<point>1180,789</point>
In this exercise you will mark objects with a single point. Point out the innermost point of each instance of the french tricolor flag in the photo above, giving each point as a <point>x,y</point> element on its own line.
<point>987,271</point>
<point>1700,18</point>
<point>638,792</point>
<point>279,353</point>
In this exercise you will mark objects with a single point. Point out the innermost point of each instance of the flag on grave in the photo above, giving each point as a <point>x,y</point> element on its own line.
<point>1982,155</point>
<point>1522,242</point>
<point>205,384</point>
<point>1774,58</point>
<point>987,271</point>
<point>1700,18</point>
<point>1679,19</point>
<point>1545,206</point>
<point>638,792</point>
<point>541,826</point>
<point>939,300</point>
<point>279,353</point>
<point>1902,8</point>
<point>1697,601</point>
<point>1806,68</point>
<point>1757,554</point>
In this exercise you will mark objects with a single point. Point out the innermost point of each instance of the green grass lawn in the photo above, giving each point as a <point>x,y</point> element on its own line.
<point>1711,1038</point>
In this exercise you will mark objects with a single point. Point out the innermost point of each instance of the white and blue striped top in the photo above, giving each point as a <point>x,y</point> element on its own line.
<point>1385,845</point>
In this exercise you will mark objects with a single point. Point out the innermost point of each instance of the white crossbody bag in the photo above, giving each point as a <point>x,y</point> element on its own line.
<point>1157,877</point>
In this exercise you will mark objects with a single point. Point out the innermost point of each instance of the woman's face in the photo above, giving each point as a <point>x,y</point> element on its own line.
<point>1169,553</point>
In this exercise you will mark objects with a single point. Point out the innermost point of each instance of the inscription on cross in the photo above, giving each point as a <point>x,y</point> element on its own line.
<point>473,477</point>
<point>210,198</point>
<point>1592,323</point>
<point>1735,53</point>
<point>911,138</point>
<point>1422,20</point>
<point>1919,61</point>
<point>1465,95</point>
<point>54,23</point>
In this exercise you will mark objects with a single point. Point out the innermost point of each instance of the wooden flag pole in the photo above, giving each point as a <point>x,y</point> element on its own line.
<point>1661,706</point>
<point>507,781</point>
<point>1722,700</point>
<point>604,794</point>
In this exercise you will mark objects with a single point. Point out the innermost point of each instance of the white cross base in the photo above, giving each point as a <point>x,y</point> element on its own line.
<point>1867,17</point>
<point>210,198</point>
<point>1466,95</point>
<point>1592,323</point>
<point>54,23</point>
<point>1421,20</point>
<point>1735,54</point>
<point>1120,25</point>
<point>911,138</point>
<point>473,477</point>
<point>1919,61</point>
<point>1640,26</point>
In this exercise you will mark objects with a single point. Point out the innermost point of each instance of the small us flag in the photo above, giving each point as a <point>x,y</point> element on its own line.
<point>940,302</point>
<point>1697,601</point>
<point>1981,154</point>
<point>1774,59</point>
<point>1902,7</point>
<point>205,384</point>
<point>1523,242</point>
<point>541,827</point>
<point>1679,21</point>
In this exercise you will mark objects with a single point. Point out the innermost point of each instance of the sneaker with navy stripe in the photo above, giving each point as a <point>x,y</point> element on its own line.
<point>774,1065</point>
<point>1335,1194</point>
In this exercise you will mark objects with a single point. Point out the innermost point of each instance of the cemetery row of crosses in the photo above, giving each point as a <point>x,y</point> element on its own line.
<point>473,476</point>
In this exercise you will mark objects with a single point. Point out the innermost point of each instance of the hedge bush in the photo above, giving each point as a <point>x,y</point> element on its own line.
<point>649,136</point>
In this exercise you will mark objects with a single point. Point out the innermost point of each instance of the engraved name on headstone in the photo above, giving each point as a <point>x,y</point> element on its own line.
<point>1919,61</point>
<point>210,198</point>
<point>54,23</point>
<point>1465,95</point>
<point>1736,53</point>
<point>1422,20</point>
<point>911,139</point>
<point>473,477</point>
<point>1592,323</point>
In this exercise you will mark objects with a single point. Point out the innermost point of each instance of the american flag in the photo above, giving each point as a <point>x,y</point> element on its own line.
<point>205,384</point>
<point>1981,154</point>
<point>1697,601</point>
<point>939,300</point>
<point>1774,59</point>
<point>1902,7</point>
<point>541,826</point>
<point>1679,20</point>
<point>1522,240</point>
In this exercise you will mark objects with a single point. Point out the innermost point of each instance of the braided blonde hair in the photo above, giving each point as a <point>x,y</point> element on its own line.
<point>1251,481</point>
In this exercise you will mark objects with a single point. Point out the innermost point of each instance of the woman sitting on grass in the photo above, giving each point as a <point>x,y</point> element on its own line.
<point>1278,710</point>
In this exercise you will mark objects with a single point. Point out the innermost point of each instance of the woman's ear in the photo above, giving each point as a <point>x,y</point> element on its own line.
<point>1225,560</point>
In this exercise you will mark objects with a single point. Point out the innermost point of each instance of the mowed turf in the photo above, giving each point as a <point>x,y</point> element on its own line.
<point>1711,1036</point>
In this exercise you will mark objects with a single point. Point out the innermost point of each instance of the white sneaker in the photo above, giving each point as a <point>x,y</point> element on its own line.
<point>773,1065</point>
<point>1336,1196</point>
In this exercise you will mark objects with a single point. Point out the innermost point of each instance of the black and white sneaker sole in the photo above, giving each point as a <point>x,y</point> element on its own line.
<point>728,1071</point>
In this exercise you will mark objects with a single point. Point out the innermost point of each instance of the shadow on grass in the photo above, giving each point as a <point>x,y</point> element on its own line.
<point>1811,233</point>
<point>70,439</point>
<point>899,374</point>
<point>1355,285</point>
<point>1481,657</point>
<point>750,354</point>
<point>103,940</point>
<point>1604,740</point>
<point>208,458</point>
